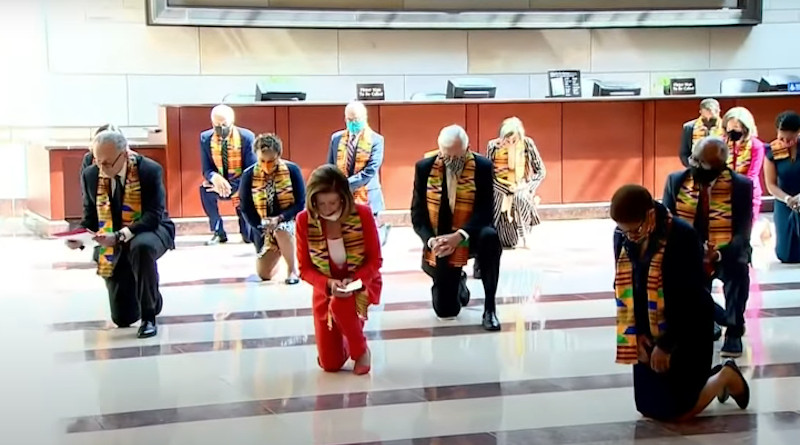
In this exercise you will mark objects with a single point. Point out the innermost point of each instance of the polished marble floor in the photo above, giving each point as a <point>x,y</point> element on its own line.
<point>235,359</point>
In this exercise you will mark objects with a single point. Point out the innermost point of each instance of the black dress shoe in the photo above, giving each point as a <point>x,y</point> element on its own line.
<point>292,281</point>
<point>723,396</point>
<point>463,290</point>
<point>717,332</point>
<point>147,329</point>
<point>743,399</point>
<point>732,347</point>
<point>490,321</point>
<point>218,238</point>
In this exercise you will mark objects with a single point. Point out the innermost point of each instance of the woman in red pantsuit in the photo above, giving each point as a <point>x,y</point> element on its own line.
<point>338,244</point>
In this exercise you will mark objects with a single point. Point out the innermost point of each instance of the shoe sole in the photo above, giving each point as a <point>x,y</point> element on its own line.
<point>727,354</point>
<point>732,364</point>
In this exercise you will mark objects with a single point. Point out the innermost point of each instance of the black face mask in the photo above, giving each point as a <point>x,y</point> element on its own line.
<point>222,131</point>
<point>710,122</point>
<point>704,176</point>
<point>735,135</point>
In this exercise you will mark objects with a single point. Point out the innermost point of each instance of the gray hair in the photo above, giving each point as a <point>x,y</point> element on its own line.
<point>358,108</point>
<point>451,133</point>
<point>511,126</point>
<point>723,152</point>
<point>710,104</point>
<point>223,111</point>
<point>111,137</point>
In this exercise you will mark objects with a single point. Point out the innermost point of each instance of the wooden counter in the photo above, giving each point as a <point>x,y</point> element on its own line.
<point>590,146</point>
<point>54,192</point>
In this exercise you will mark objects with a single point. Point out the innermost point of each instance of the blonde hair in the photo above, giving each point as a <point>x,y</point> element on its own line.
<point>511,126</point>
<point>744,117</point>
<point>328,179</point>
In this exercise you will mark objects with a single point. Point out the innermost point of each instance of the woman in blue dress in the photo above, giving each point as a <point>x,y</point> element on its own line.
<point>782,177</point>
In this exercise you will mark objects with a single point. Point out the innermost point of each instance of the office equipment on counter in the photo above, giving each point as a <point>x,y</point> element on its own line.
<point>770,84</point>
<point>470,88</point>
<point>616,89</point>
<point>264,95</point>
<point>738,86</point>
<point>564,83</point>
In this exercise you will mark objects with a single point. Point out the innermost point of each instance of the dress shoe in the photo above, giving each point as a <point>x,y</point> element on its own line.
<point>476,270</point>
<point>723,396</point>
<point>490,321</point>
<point>732,347</point>
<point>717,332</point>
<point>147,329</point>
<point>463,290</point>
<point>246,240</point>
<point>218,238</point>
<point>742,400</point>
<point>291,281</point>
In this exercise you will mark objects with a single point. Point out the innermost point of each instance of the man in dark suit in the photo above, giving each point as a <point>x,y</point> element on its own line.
<point>225,151</point>
<point>124,204</point>
<point>451,211</point>
<point>358,152</point>
<point>708,124</point>
<point>718,202</point>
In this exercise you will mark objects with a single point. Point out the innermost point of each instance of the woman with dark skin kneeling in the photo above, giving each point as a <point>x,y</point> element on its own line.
<point>338,244</point>
<point>665,315</point>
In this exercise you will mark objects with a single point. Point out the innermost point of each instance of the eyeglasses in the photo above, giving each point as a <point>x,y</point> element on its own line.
<point>108,165</point>
<point>695,162</point>
<point>635,232</point>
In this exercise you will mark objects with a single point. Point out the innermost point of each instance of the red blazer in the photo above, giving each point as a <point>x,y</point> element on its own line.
<point>369,272</point>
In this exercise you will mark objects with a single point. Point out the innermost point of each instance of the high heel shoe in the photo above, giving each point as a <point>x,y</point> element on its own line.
<point>363,369</point>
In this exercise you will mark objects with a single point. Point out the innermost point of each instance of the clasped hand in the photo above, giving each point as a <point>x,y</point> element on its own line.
<point>270,224</point>
<point>219,185</point>
<point>445,245</point>
<point>335,285</point>
<point>658,360</point>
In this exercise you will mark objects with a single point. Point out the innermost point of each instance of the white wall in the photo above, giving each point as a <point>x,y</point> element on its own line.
<point>80,63</point>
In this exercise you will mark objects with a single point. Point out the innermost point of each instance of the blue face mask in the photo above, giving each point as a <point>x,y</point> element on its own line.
<point>355,127</point>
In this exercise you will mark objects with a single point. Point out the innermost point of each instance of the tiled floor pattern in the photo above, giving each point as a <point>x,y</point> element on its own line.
<point>235,359</point>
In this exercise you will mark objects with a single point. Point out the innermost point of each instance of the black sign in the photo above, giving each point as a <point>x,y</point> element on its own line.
<point>370,91</point>
<point>682,87</point>
<point>564,83</point>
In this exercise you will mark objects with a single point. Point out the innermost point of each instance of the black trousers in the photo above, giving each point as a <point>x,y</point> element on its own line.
<point>735,277</point>
<point>449,283</point>
<point>133,286</point>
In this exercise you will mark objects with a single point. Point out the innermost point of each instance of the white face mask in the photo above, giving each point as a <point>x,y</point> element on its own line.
<point>333,217</point>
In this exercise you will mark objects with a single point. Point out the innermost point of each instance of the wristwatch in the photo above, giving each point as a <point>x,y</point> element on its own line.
<point>118,235</point>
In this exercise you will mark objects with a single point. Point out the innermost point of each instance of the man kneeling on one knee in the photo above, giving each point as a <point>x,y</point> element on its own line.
<point>451,211</point>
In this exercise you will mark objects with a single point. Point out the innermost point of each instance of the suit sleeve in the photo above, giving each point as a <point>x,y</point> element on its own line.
<point>205,157</point>
<point>89,220</point>
<point>738,249</point>
<point>246,203</point>
<point>484,201</point>
<point>299,192</point>
<point>668,199</point>
<point>308,272</point>
<point>363,177</point>
<point>248,155</point>
<point>686,145</point>
<point>153,198</point>
<point>536,165</point>
<point>419,207</point>
<point>332,147</point>
<point>690,307</point>
<point>372,245</point>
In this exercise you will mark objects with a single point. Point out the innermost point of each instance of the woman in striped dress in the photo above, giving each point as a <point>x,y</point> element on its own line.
<point>519,170</point>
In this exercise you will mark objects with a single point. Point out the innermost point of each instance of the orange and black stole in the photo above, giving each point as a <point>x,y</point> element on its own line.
<point>464,206</point>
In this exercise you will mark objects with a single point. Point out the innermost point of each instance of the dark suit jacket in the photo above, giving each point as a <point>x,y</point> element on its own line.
<point>207,160</point>
<point>742,208</point>
<point>248,207</point>
<point>484,199</point>
<point>369,176</point>
<point>154,215</point>
<point>686,142</point>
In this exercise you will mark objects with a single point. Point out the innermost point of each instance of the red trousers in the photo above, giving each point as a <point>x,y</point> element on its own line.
<point>345,338</point>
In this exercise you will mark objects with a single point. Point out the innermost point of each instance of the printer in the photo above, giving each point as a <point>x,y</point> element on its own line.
<point>616,89</point>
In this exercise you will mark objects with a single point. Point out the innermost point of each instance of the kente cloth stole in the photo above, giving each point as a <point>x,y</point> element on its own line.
<point>720,225</point>
<point>464,206</point>
<point>363,152</point>
<point>131,211</point>
<point>353,237</point>
<point>779,150</point>
<point>284,193</point>
<point>627,353</point>
<point>234,154</point>
<point>740,161</point>
<point>700,130</point>
<point>502,165</point>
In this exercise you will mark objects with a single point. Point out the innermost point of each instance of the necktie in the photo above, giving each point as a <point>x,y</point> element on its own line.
<point>225,158</point>
<point>116,203</point>
<point>352,146</point>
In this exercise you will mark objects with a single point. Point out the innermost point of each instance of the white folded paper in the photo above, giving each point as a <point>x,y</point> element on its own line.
<point>352,287</point>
